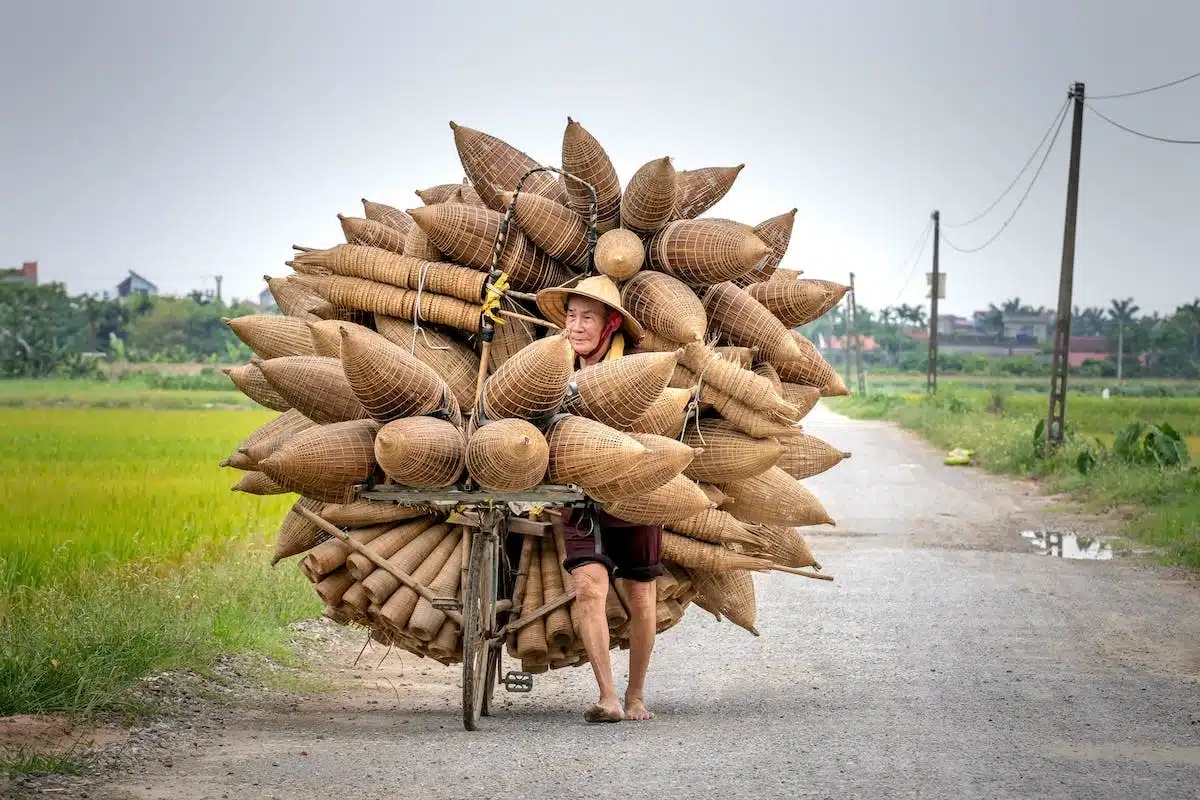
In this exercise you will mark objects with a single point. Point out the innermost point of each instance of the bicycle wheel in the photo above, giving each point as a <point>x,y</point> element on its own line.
<point>479,615</point>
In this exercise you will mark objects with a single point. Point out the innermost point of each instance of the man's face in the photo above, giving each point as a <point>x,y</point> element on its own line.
<point>586,318</point>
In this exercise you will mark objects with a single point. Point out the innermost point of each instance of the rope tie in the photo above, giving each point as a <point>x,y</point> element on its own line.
<point>692,412</point>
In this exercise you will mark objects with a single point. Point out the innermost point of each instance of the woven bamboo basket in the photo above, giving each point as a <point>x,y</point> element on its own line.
<point>332,553</point>
<point>508,455</point>
<point>532,647</point>
<point>293,299</point>
<point>257,483</point>
<point>805,455</point>
<point>272,336</point>
<point>731,593</point>
<point>364,513</point>
<point>781,274</point>
<point>316,386</point>
<point>702,251</point>
<point>620,254</point>
<point>398,608</point>
<point>371,233</point>
<point>249,379</point>
<point>386,545</point>
<point>494,166</point>
<point>717,527</point>
<point>381,584</point>
<point>667,458</point>
<point>441,193</point>
<point>327,335</point>
<point>742,356</point>
<point>553,227</point>
<point>803,397</point>
<point>418,245</point>
<point>745,322</point>
<point>582,155</point>
<point>559,631</point>
<point>392,217</point>
<point>701,189</point>
<point>296,533</point>
<point>715,495</point>
<point>749,388</point>
<point>728,454</point>
<point>454,361</point>
<point>589,453</point>
<point>422,452</point>
<point>276,430</point>
<point>653,343</point>
<point>798,302</point>
<point>620,392</point>
<point>666,414</point>
<point>389,382</point>
<point>786,547</point>
<point>694,554</point>
<point>776,233</point>
<point>426,620</point>
<point>334,455</point>
<point>774,498</point>
<point>239,460</point>
<point>649,197</point>
<point>810,369</point>
<point>401,271</point>
<point>531,383</point>
<point>764,370</point>
<point>382,298</point>
<point>678,498</point>
<point>333,587</point>
<point>665,306</point>
<point>775,415</point>
<point>511,337</point>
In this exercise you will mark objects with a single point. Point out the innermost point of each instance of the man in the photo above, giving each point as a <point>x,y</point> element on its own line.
<point>602,548</point>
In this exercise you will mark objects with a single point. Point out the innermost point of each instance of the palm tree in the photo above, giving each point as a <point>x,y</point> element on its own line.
<point>886,315</point>
<point>1123,313</point>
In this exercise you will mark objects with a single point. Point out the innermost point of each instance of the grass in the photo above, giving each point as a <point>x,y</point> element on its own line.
<point>1161,506</point>
<point>118,394</point>
<point>882,380</point>
<point>124,553</point>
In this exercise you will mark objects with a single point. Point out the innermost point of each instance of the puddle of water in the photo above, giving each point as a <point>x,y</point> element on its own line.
<point>1069,545</point>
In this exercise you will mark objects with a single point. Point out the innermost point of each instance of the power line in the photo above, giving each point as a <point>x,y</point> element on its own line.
<point>1033,182</point>
<point>1175,82</point>
<point>921,242</point>
<point>1139,133</point>
<point>1009,188</point>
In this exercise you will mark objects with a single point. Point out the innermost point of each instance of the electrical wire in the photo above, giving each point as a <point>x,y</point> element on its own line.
<point>1148,89</point>
<point>921,242</point>
<point>1062,110</point>
<point>1033,182</point>
<point>1139,133</point>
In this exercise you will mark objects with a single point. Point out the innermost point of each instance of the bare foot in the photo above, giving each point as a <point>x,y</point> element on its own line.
<point>635,710</point>
<point>607,710</point>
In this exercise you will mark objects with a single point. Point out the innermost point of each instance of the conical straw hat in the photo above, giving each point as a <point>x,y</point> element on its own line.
<point>582,155</point>
<point>701,189</point>
<point>272,336</point>
<point>745,322</point>
<point>508,455</point>
<point>666,306</point>
<point>805,398</point>
<point>775,498</point>
<point>716,527</point>
<point>316,386</point>
<point>666,414</point>
<point>442,193</point>
<point>389,381</point>
<point>732,594</point>
<point>776,233</point>
<point>703,251</point>
<point>667,459</point>
<point>371,233</point>
<point>553,302</point>
<point>695,554</point>
<point>620,253</point>
<point>678,498</point>
<point>494,166</point>
<point>728,453</point>
<point>249,379</point>
<point>809,368</point>
<point>257,483</point>
<point>649,197</point>
<point>293,299</point>
<point>392,217</point>
<point>454,361</point>
<point>531,383</point>
<point>277,429</point>
<point>589,453</point>
<point>327,335</point>
<point>797,302</point>
<point>553,227</point>
<point>422,452</point>
<point>805,455</point>
<point>297,534</point>
<point>620,392</point>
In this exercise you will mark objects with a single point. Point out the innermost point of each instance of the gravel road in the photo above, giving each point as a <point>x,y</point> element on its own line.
<point>949,659</point>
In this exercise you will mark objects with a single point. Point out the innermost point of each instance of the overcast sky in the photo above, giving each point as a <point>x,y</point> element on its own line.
<point>188,140</point>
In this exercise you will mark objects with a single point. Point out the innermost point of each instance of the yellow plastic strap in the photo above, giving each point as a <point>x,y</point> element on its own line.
<point>536,510</point>
<point>491,303</point>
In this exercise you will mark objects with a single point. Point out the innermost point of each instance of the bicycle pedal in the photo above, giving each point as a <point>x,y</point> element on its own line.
<point>446,604</point>
<point>518,682</point>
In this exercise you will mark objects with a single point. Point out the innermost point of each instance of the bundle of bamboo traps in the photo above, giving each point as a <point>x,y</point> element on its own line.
<point>426,352</point>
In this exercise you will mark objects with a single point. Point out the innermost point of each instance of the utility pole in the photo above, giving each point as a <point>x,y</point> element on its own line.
<point>862,384</point>
<point>934,286</point>
<point>1056,416</point>
<point>1120,343</point>
<point>218,279</point>
<point>846,333</point>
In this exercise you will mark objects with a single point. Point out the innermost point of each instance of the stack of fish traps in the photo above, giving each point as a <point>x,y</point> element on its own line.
<point>380,373</point>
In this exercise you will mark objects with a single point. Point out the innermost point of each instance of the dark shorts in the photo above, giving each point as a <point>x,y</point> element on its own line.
<point>633,552</point>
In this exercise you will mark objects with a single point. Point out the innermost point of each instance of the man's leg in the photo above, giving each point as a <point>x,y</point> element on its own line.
<point>643,620</point>
<point>591,591</point>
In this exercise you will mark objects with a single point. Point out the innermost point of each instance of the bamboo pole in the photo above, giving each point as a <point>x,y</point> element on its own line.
<point>795,571</point>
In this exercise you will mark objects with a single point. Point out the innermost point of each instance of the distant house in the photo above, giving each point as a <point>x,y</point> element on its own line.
<point>1027,327</point>
<point>135,284</point>
<point>839,343</point>
<point>1089,348</point>
<point>950,324</point>
<point>26,273</point>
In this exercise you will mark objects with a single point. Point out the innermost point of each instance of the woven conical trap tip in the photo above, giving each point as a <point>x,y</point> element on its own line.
<point>316,386</point>
<point>271,336</point>
<point>389,382</point>
<point>649,197</point>
<point>457,364</point>
<point>554,228</point>
<point>493,166</point>
<point>583,156</point>
<point>421,452</point>
<point>620,254</point>
<point>701,189</point>
<point>695,554</point>
<point>371,234</point>
<point>810,369</point>
<point>297,534</point>
<point>798,302</point>
<point>702,251</point>
<point>441,193</point>
<point>327,335</point>
<point>747,323</point>
<point>805,455</point>
<point>666,414</point>
<point>257,483</point>
<point>292,299</point>
<point>776,233</point>
<point>785,546</point>
<point>717,527</point>
<point>667,458</point>
<point>508,455</point>
<point>678,498</point>
<point>392,217</point>
<point>665,306</point>
<point>372,297</point>
<point>589,453</point>
<point>749,388</point>
<point>728,453</point>
<point>531,383</point>
<point>776,498</point>
<point>250,380</point>
<point>804,398</point>
<point>323,462</point>
<point>620,392</point>
<point>730,593</point>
